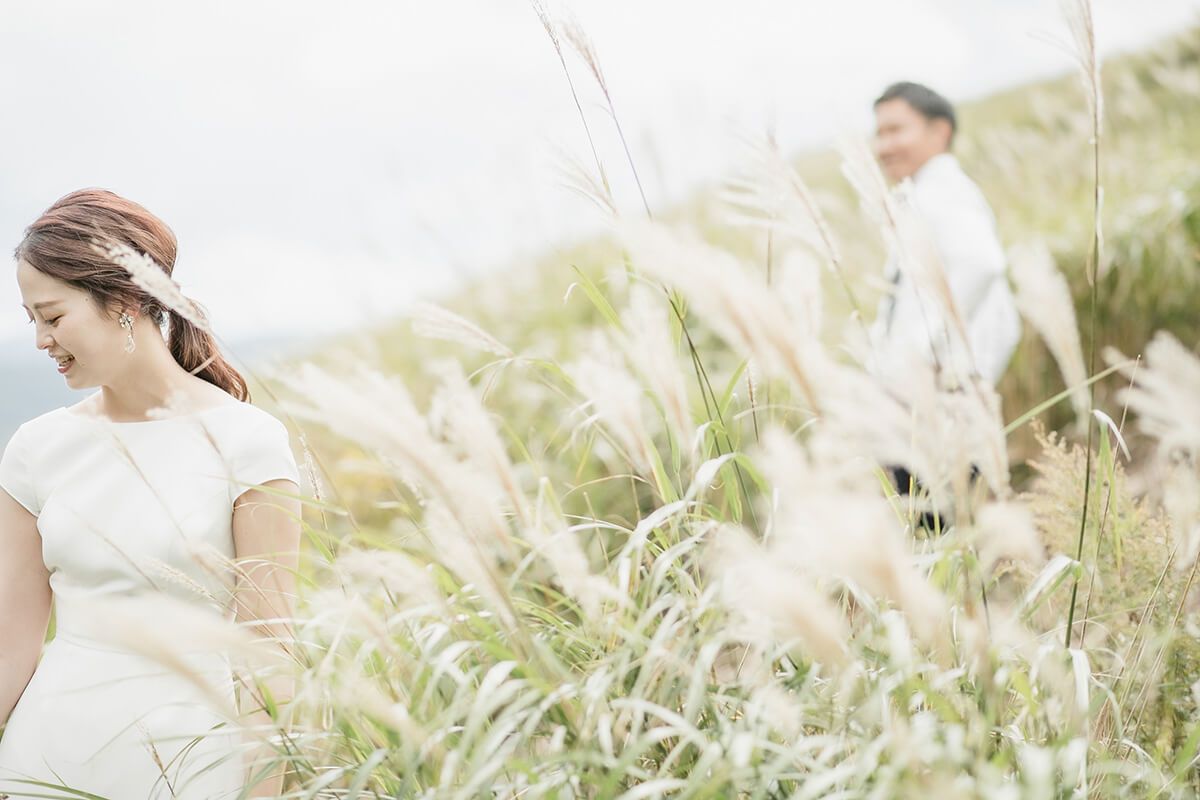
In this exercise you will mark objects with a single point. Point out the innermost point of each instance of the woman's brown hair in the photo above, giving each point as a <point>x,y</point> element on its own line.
<point>62,243</point>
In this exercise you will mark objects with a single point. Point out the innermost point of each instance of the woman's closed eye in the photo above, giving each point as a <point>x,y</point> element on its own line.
<point>50,322</point>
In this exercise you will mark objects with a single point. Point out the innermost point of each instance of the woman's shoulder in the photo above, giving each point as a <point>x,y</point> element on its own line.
<point>254,442</point>
<point>239,416</point>
<point>242,430</point>
<point>47,425</point>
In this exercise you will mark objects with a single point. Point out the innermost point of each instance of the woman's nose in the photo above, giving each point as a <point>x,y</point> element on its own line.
<point>43,339</point>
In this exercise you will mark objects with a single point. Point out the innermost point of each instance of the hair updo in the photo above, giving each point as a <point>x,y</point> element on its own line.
<point>62,244</point>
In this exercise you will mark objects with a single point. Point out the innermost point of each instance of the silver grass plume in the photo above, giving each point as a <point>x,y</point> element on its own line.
<point>377,413</point>
<point>742,308</point>
<point>558,544</point>
<point>577,178</point>
<point>1005,532</point>
<point>183,637</point>
<point>875,198</point>
<point>616,398</point>
<point>577,37</point>
<point>466,423</point>
<point>1078,16</point>
<point>909,241</point>
<point>770,193</point>
<point>777,601</point>
<point>936,433</point>
<point>600,192</point>
<point>434,322</point>
<point>1163,396</point>
<point>832,523</point>
<point>403,577</point>
<point>1044,299</point>
<point>648,345</point>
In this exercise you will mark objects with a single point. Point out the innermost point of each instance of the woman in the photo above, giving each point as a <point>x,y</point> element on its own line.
<point>128,494</point>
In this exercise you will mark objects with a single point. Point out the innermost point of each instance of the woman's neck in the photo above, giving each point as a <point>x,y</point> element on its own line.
<point>153,380</point>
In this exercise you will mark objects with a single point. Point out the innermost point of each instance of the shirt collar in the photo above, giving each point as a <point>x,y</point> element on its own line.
<point>938,165</point>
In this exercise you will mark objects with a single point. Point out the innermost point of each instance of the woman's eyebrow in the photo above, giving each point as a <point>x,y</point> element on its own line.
<point>42,304</point>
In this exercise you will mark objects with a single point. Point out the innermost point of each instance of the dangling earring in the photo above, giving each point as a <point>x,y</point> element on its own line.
<point>126,322</point>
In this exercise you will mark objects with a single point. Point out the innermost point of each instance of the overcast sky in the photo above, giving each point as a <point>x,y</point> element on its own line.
<point>325,163</point>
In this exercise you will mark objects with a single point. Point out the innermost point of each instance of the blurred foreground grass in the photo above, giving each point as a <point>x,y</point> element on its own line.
<point>556,558</point>
<point>1028,150</point>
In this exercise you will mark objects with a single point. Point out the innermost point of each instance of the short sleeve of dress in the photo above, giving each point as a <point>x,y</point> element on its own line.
<point>16,472</point>
<point>265,454</point>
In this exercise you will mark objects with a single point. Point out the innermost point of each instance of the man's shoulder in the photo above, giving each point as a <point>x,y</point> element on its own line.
<point>940,171</point>
<point>942,184</point>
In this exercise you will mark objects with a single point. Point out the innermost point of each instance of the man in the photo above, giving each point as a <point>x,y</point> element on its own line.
<point>973,331</point>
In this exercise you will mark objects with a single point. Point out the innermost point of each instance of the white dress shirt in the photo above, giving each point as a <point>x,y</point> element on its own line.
<point>914,321</point>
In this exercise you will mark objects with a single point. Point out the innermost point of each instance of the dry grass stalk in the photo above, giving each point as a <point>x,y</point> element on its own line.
<point>183,638</point>
<point>434,322</point>
<point>554,540</point>
<point>1044,299</point>
<point>776,601</point>
<point>744,310</point>
<point>648,345</point>
<point>1163,397</point>
<point>910,245</point>
<point>616,397</point>
<point>351,407</point>
<point>822,489</point>
<point>602,193</point>
<point>478,531</point>
<point>466,424</point>
<point>1078,16</point>
<point>577,178</point>
<point>1005,532</point>
<point>770,193</point>
<point>937,434</point>
<point>151,278</point>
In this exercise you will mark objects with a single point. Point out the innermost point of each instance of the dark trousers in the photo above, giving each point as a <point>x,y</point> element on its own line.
<point>906,483</point>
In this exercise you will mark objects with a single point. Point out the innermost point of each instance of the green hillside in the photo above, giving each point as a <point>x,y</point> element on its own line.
<point>619,527</point>
<point>1028,149</point>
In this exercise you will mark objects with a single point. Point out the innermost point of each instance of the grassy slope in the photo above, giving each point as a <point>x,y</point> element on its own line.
<point>1027,148</point>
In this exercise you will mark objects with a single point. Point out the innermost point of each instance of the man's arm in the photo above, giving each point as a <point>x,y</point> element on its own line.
<point>971,254</point>
<point>962,228</point>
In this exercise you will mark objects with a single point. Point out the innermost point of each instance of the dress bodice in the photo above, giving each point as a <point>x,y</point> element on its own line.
<point>127,507</point>
<point>134,510</point>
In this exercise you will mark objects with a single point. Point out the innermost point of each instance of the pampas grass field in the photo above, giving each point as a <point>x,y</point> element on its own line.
<point>618,525</point>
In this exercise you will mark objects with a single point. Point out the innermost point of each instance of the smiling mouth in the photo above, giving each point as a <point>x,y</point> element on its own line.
<point>65,363</point>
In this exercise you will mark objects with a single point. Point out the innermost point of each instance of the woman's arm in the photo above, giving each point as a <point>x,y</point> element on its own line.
<point>266,538</point>
<point>24,600</point>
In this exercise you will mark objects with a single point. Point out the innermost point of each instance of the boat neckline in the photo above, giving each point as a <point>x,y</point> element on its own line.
<point>190,415</point>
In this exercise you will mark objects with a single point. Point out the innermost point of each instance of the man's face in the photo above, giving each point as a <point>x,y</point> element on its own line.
<point>905,139</point>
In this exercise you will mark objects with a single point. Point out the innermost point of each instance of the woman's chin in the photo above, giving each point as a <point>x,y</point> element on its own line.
<point>76,381</point>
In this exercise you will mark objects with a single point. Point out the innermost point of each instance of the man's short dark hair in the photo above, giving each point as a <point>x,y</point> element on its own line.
<point>926,101</point>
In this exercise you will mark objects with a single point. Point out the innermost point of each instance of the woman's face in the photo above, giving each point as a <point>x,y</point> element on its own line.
<point>83,338</point>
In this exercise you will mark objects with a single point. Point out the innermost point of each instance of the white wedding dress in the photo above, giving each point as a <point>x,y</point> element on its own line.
<point>133,510</point>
